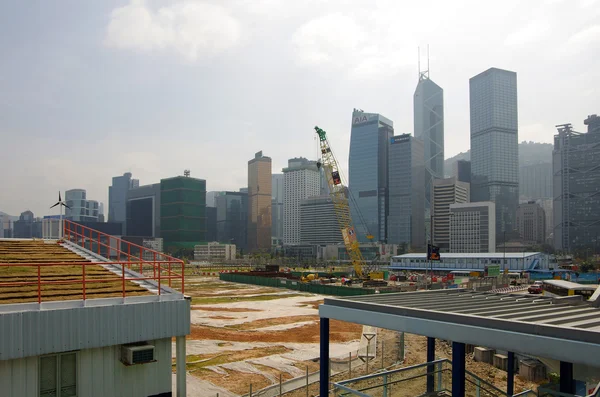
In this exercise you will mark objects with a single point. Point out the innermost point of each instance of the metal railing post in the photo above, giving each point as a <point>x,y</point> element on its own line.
<point>169,274</point>
<point>39,283</point>
<point>250,389</point>
<point>385,386</point>
<point>159,278</point>
<point>440,379</point>
<point>154,266</point>
<point>83,281</point>
<point>123,281</point>
<point>349,365</point>
<point>280,386</point>
<point>478,388</point>
<point>382,366</point>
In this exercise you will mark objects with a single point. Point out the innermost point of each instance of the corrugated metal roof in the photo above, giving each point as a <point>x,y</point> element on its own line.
<point>481,255</point>
<point>569,285</point>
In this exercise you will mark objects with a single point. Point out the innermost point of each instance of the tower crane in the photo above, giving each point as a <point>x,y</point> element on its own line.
<point>339,196</point>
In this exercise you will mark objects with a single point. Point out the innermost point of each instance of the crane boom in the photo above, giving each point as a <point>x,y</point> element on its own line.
<point>339,196</point>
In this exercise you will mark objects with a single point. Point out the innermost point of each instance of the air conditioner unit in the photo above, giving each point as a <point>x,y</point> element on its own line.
<point>137,354</point>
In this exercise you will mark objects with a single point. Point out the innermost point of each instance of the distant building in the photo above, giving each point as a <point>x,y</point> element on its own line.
<point>547,204</point>
<point>214,251</point>
<point>51,227</point>
<point>277,206</point>
<point>512,262</point>
<point>80,208</point>
<point>143,211</point>
<point>182,211</point>
<point>211,198</point>
<point>531,223</point>
<point>232,219</point>
<point>445,193</point>
<point>535,181</point>
<point>27,226</point>
<point>117,197</point>
<point>211,223</point>
<point>301,179</point>
<point>473,227</point>
<point>428,106</point>
<point>259,203</point>
<point>462,171</point>
<point>406,219</point>
<point>318,222</point>
<point>368,175</point>
<point>494,145</point>
<point>6,225</point>
<point>576,169</point>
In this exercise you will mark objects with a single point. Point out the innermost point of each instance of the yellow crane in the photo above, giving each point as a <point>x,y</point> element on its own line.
<point>339,196</point>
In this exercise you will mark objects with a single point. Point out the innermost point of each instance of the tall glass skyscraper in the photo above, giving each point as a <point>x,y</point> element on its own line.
<point>494,145</point>
<point>428,103</point>
<point>368,179</point>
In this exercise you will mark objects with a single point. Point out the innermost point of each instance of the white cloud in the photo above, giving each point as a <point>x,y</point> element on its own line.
<point>193,29</point>
<point>533,31</point>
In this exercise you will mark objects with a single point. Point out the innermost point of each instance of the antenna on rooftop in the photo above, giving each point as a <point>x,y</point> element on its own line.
<point>186,173</point>
<point>60,204</point>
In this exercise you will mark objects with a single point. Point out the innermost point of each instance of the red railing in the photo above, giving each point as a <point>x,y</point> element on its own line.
<point>150,264</point>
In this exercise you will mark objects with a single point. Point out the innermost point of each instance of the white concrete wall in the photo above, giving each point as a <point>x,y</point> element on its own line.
<point>99,373</point>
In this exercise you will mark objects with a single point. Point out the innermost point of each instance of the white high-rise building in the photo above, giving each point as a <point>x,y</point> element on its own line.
<point>446,192</point>
<point>301,179</point>
<point>473,227</point>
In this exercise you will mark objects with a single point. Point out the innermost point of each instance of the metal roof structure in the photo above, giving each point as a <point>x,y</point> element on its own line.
<point>484,255</point>
<point>570,285</point>
<point>565,329</point>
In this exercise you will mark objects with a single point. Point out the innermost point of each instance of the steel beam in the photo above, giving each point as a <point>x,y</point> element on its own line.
<point>458,369</point>
<point>510,375</point>
<point>430,368</point>
<point>324,359</point>
<point>566,378</point>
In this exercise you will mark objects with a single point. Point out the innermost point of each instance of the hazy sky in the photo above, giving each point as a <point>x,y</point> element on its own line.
<point>92,89</point>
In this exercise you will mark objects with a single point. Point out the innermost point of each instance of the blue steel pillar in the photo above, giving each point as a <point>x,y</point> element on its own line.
<point>510,375</point>
<point>324,360</point>
<point>430,368</point>
<point>566,378</point>
<point>458,369</point>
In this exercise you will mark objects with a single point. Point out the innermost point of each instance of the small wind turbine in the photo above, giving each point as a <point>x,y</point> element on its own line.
<point>60,204</point>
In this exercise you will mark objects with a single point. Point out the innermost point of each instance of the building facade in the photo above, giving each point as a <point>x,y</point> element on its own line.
<point>79,207</point>
<point>211,223</point>
<point>462,171</point>
<point>214,251</point>
<point>182,211</point>
<point>473,227</point>
<point>277,206</point>
<point>576,169</point>
<point>142,211</point>
<point>368,174</point>
<point>531,223</point>
<point>232,219</point>
<point>406,218</point>
<point>428,107</point>
<point>27,226</point>
<point>513,262</point>
<point>318,223</point>
<point>117,197</point>
<point>494,145</point>
<point>301,179</point>
<point>535,181</point>
<point>259,203</point>
<point>445,193</point>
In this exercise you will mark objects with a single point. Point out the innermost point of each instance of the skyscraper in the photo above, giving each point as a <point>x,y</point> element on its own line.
<point>259,203</point>
<point>232,219</point>
<point>406,219</point>
<point>531,223</point>
<point>80,209</point>
<point>318,222</point>
<point>445,193</point>
<point>368,169</point>
<point>143,211</point>
<point>576,169</point>
<point>277,206</point>
<point>473,227</point>
<point>117,196</point>
<point>301,179</point>
<point>428,104</point>
<point>462,171</point>
<point>494,145</point>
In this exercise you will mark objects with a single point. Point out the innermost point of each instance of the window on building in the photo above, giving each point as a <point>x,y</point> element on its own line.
<point>58,375</point>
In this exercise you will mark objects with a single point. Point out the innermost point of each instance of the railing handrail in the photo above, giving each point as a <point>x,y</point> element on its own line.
<point>395,371</point>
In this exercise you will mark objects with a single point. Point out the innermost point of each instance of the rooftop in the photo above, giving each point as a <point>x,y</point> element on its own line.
<point>491,255</point>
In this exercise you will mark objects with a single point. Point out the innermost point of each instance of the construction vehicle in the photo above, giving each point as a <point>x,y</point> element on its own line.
<point>340,197</point>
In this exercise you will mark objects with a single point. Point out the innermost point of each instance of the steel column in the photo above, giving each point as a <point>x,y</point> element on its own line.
<point>180,366</point>
<point>324,360</point>
<point>510,375</point>
<point>430,368</point>
<point>566,378</point>
<point>458,369</point>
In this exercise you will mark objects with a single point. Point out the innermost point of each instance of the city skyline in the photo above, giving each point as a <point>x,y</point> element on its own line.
<point>148,105</point>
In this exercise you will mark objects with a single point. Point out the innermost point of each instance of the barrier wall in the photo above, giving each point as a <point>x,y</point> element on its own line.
<point>296,285</point>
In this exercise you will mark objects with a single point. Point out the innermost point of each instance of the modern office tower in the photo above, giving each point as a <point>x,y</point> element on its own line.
<point>445,193</point>
<point>318,223</point>
<point>232,219</point>
<point>182,212</point>
<point>473,227</point>
<point>547,204</point>
<point>79,208</point>
<point>462,171</point>
<point>406,219</point>
<point>211,198</point>
<point>211,223</point>
<point>259,203</point>
<point>494,145</point>
<point>301,179</point>
<point>117,196</point>
<point>428,103</point>
<point>142,211</point>
<point>576,169</point>
<point>277,206</point>
<point>535,181</point>
<point>531,223</point>
<point>368,179</point>
<point>25,227</point>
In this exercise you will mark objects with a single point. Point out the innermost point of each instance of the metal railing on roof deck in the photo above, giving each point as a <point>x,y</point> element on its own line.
<point>54,280</point>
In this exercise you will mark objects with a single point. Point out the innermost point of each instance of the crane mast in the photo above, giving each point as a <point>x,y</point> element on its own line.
<point>339,196</point>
